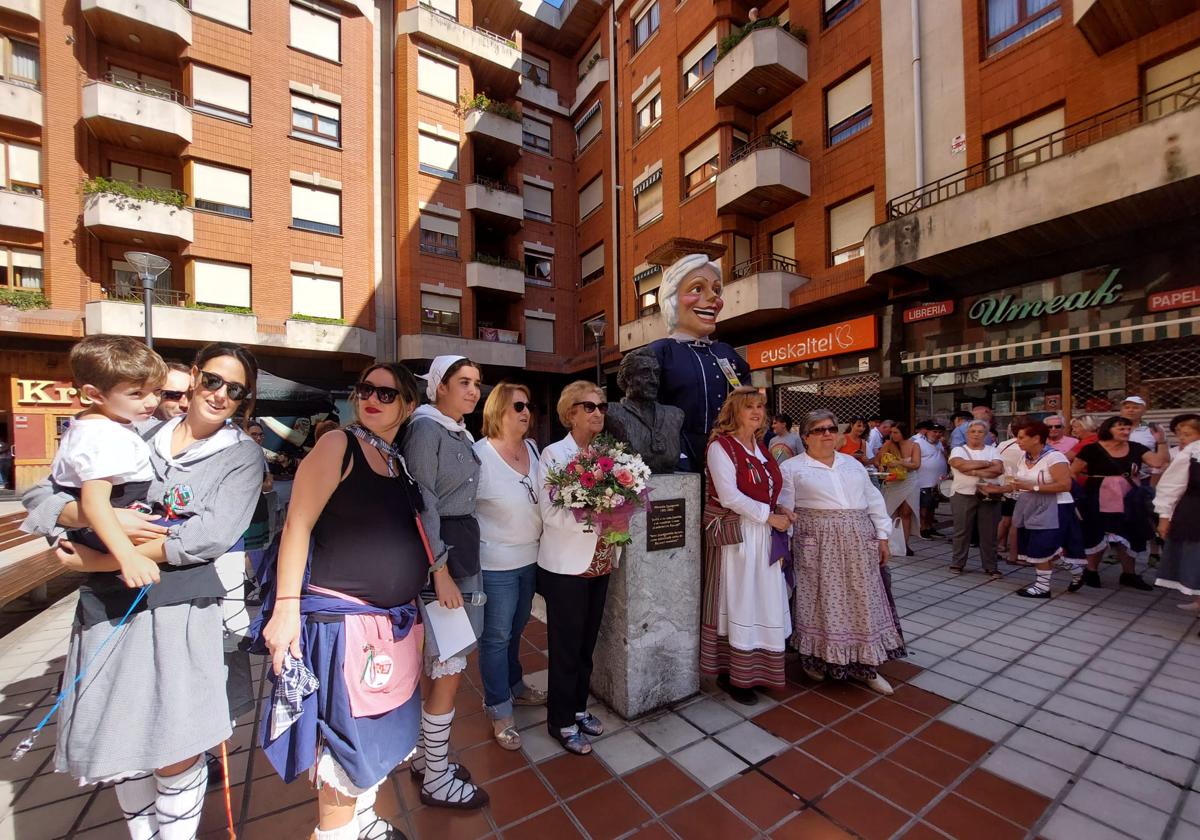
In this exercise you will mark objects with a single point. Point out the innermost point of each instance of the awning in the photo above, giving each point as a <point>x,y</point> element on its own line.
<point>279,397</point>
<point>1160,327</point>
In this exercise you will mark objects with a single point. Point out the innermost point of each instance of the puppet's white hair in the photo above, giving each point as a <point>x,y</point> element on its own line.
<point>673,277</point>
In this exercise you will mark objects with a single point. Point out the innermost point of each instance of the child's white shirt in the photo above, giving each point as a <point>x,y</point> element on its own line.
<point>100,448</point>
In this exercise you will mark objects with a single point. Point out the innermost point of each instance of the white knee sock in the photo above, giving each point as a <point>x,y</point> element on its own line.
<point>1042,584</point>
<point>371,826</point>
<point>349,831</point>
<point>440,782</point>
<point>180,800</point>
<point>136,797</point>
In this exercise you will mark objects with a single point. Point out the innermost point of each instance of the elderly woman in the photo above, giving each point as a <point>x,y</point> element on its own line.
<point>1177,500</point>
<point>901,458</point>
<point>844,624</point>
<point>510,527</point>
<point>972,467</point>
<point>745,621</point>
<point>573,569</point>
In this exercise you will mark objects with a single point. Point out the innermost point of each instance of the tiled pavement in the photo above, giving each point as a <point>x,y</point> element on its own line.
<point>1069,718</point>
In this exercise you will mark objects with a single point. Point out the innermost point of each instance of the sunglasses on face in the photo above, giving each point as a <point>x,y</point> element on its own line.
<point>385,395</point>
<point>174,396</point>
<point>1054,425</point>
<point>520,406</point>
<point>591,407</point>
<point>823,430</point>
<point>213,382</point>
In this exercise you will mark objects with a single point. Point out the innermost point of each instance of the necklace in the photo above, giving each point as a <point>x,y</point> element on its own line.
<point>513,457</point>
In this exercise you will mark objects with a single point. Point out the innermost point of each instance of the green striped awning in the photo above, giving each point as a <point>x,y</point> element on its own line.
<point>1164,325</point>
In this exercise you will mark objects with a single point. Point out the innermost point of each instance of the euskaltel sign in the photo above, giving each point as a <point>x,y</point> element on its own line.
<point>1005,310</point>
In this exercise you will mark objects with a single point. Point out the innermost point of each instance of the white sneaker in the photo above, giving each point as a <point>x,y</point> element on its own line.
<point>1189,606</point>
<point>814,675</point>
<point>879,685</point>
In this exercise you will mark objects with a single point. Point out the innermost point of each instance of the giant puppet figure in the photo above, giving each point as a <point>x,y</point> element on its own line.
<point>696,371</point>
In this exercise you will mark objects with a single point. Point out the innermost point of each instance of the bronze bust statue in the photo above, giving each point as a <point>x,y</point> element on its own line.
<point>650,428</point>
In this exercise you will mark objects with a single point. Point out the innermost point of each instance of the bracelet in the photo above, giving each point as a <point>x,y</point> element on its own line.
<point>439,564</point>
<point>287,597</point>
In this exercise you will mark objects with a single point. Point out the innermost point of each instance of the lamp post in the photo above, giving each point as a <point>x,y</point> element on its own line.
<point>597,327</point>
<point>148,267</point>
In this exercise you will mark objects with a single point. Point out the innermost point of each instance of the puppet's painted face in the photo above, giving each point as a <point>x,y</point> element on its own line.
<point>700,303</point>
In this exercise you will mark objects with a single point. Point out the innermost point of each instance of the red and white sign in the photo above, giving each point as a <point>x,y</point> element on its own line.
<point>1174,299</point>
<point>928,310</point>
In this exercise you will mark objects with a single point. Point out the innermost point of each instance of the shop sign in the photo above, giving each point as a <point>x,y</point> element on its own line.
<point>34,392</point>
<point>832,340</point>
<point>1004,310</point>
<point>1174,299</point>
<point>926,311</point>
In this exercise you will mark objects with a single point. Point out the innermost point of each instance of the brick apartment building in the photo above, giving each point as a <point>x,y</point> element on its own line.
<point>491,177</point>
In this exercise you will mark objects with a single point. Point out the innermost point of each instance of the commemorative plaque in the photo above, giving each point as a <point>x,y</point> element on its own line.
<point>665,524</point>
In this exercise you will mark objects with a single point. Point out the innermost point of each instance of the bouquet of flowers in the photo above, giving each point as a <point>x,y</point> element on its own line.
<point>604,485</point>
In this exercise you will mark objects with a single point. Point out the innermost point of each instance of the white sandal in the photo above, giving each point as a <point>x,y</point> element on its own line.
<point>507,736</point>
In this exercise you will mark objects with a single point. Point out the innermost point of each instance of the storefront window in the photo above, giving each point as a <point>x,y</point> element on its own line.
<point>1033,389</point>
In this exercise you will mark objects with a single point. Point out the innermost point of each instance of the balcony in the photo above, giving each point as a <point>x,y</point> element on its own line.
<point>498,353</point>
<point>136,220</point>
<point>540,95</point>
<point>499,275</point>
<point>126,113</point>
<point>760,288</point>
<point>21,102</point>
<point>1066,195</point>
<point>762,69</point>
<point>498,204</point>
<point>497,138</point>
<point>763,177</point>
<point>595,76</point>
<point>1107,24</point>
<point>566,26</point>
<point>27,8</point>
<point>155,28</point>
<point>22,211</point>
<point>638,333</point>
<point>495,60</point>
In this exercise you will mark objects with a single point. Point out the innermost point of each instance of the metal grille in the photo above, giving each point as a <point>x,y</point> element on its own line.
<point>846,397</point>
<point>1168,378</point>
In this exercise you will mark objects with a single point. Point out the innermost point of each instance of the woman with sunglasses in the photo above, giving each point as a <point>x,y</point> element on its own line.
<point>572,575</point>
<point>438,450</point>
<point>510,525</point>
<point>357,508</point>
<point>845,623</point>
<point>143,715</point>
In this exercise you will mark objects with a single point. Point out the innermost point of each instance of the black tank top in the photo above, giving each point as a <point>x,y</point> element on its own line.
<point>365,542</point>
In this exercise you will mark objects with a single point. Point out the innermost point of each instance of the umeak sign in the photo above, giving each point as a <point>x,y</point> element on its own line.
<point>832,340</point>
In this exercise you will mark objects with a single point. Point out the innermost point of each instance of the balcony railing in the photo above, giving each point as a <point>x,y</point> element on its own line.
<point>169,94</point>
<point>765,141</point>
<point>1177,96</point>
<point>765,262</point>
<point>498,262</point>
<point>508,42</point>
<point>492,184</point>
<point>500,336</point>
<point>160,297</point>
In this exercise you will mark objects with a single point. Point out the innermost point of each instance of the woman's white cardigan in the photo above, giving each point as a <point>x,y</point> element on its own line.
<point>567,547</point>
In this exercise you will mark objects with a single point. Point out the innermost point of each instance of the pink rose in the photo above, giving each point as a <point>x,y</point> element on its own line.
<point>624,478</point>
<point>587,480</point>
<point>605,463</point>
<point>598,474</point>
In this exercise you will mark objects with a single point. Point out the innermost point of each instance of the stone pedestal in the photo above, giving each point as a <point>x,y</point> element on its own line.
<point>648,653</point>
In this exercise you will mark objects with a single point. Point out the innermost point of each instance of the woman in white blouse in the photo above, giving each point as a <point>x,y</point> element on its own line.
<point>845,625</point>
<point>510,526</point>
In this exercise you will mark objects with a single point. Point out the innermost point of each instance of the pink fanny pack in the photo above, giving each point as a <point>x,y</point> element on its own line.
<point>1112,493</point>
<point>381,673</point>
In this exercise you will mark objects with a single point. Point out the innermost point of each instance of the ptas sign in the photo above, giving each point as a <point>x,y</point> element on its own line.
<point>990,311</point>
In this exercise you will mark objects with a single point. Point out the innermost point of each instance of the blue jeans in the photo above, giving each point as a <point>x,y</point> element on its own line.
<point>509,599</point>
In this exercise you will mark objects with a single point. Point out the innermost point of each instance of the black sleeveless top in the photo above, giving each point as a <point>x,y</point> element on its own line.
<point>365,542</point>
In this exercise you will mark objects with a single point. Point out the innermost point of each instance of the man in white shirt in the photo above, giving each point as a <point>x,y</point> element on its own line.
<point>932,470</point>
<point>972,463</point>
<point>877,437</point>
<point>1132,409</point>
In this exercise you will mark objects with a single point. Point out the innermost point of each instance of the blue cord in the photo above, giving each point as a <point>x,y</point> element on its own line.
<point>27,744</point>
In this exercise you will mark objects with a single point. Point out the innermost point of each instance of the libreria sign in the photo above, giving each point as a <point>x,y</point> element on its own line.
<point>1004,310</point>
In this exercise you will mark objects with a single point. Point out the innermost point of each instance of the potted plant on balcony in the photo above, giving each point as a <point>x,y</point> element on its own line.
<point>129,195</point>
<point>485,104</point>
<point>24,299</point>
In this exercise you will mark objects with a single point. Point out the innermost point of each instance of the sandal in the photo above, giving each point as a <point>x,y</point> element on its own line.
<point>531,697</point>
<point>995,576</point>
<point>507,736</point>
<point>461,773</point>
<point>573,742</point>
<point>591,725</point>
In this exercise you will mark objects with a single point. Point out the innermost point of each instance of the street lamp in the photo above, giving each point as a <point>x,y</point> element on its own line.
<point>597,326</point>
<point>148,267</point>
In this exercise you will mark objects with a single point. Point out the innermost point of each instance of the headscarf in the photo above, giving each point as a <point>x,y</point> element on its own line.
<point>437,372</point>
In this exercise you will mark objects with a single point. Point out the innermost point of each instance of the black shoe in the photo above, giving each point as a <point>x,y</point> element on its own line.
<point>745,696</point>
<point>1075,585</point>
<point>926,535</point>
<point>1135,581</point>
<point>461,773</point>
<point>1091,578</point>
<point>908,552</point>
<point>1025,593</point>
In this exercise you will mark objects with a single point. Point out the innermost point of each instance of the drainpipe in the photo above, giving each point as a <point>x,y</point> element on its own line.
<point>918,105</point>
<point>387,339</point>
<point>613,143</point>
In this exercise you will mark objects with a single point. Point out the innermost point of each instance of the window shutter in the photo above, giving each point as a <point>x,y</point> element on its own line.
<point>1174,72</point>
<point>439,224</point>
<point>224,90</point>
<point>538,200</point>
<point>26,259</point>
<point>590,197</point>
<point>223,284</point>
<point>784,125</point>
<point>233,12</point>
<point>650,203</point>
<point>589,127</point>
<point>539,334</point>
<point>445,303</point>
<point>224,186</point>
<point>313,205</point>
<point>592,261</point>
<point>316,33</point>
<point>741,249</point>
<point>438,153</point>
<point>849,222</point>
<point>783,243</point>
<point>850,97</point>
<point>535,127</point>
<point>701,154</point>
<point>698,51</point>
<point>316,106</point>
<point>319,296</point>
<point>437,78</point>
<point>24,164</point>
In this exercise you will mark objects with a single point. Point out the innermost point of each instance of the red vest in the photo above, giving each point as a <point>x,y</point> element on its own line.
<point>760,481</point>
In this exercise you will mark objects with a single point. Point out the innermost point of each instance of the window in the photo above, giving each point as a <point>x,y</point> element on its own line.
<point>1026,144</point>
<point>700,165</point>
<point>1164,82</point>
<point>848,224</point>
<point>649,112</point>
<point>20,269</point>
<point>589,337</point>
<point>1008,21</point>
<point>539,202</point>
<point>698,62</point>
<point>783,243</point>
<point>20,168</point>
<point>316,209</point>
<point>127,284</point>
<point>221,190</point>
<point>20,62</point>
<point>647,282</point>
<point>220,94</point>
<point>539,267</point>
<point>648,198</point>
<point>783,128</point>
<point>440,314</point>
<point>591,197</point>
<point>439,235</point>
<point>437,156</point>
<point>848,107</point>
<point>591,265</point>
<point>741,249</point>
<point>590,59</point>
<point>835,10</point>
<point>221,284</point>
<point>316,295</point>
<point>536,70</point>
<point>588,128</point>
<point>230,12</point>
<point>316,119</point>
<point>437,77</point>
<point>645,25</point>
<point>140,175</point>
<point>317,30</point>
<point>539,334</point>
<point>535,134</point>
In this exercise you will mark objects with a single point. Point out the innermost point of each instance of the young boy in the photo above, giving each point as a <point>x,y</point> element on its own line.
<point>100,456</point>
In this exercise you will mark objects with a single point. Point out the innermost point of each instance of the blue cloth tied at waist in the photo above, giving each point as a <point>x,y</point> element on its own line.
<point>403,617</point>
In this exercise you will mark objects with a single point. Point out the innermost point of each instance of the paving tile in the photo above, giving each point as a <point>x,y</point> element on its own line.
<point>863,812</point>
<point>709,762</point>
<point>1191,808</point>
<point>652,831</point>
<point>898,669</point>
<point>1066,729</point>
<point>977,722</point>
<point>1026,771</point>
<point>625,751</point>
<point>1011,801</point>
<point>1099,696</point>
<point>868,732</point>
<point>760,799</point>
<point>487,761</point>
<point>960,817</point>
<point>966,745</point>
<point>895,715</point>
<point>810,825</point>
<point>608,811</point>
<point>1068,707</point>
<point>851,694</point>
<point>538,744</point>
<point>670,732</point>
<point>994,704</point>
<point>838,752</point>
<point>801,774</point>
<point>1066,824</point>
<point>1152,734</point>
<point>957,669</point>
<point>1126,688</point>
<point>611,720</point>
<point>1117,810</point>
<point>1170,718</point>
<point>751,742</point>
<point>552,823</point>
<point>928,761</point>
<point>1150,759</point>
<point>570,774</point>
<point>662,785</point>
<point>516,796</point>
<point>1007,687</point>
<point>1044,748</point>
<point>936,682</point>
<point>1172,699</point>
<point>709,715</point>
<point>789,725</point>
<point>705,818</point>
<point>921,700</point>
<point>818,707</point>
<point>921,831</point>
<point>1153,791</point>
<point>450,824</point>
<point>898,785</point>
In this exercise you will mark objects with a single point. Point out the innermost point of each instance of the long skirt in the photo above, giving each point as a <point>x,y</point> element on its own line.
<point>153,698</point>
<point>1130,528</point>
<point>845,624</point>
<point>1179,567</point>
<point>895,493</point>
<point>1064,543</point>
<point>745,622</point>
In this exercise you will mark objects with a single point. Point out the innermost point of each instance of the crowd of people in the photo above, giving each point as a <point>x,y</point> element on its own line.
<point>408,545</point>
